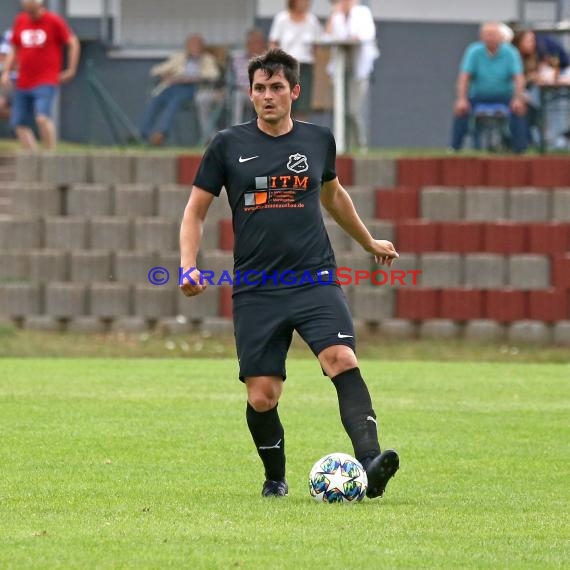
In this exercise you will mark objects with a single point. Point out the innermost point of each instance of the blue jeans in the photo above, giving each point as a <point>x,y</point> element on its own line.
<point>161,110</point>
<point>27,104</point>
<point>517,126</point>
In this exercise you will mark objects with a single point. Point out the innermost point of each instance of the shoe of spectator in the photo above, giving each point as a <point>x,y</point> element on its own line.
<point>157,139</point>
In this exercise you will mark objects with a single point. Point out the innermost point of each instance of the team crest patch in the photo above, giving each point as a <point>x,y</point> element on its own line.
<point>298,163</point>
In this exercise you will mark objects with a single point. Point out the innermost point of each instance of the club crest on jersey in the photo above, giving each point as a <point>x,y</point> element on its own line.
<point>298,163</point>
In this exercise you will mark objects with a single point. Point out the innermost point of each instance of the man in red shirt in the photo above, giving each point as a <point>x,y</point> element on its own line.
<point>38,39</point>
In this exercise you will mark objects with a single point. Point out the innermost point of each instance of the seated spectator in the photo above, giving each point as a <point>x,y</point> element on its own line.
<point>5,94</point>
<point>185,76</point>
<point>242,108</point>
<point>491,73</point>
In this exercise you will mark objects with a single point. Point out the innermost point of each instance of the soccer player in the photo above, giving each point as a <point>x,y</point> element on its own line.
<point>277,172</point>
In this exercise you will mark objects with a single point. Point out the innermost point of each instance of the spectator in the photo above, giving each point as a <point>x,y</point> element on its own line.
<point>491,73</point>
<point>295,30</point>
<point>543,57</point>
<point>185,76</point>
<point>351,21</point>
<point>5,94</point>
<point>37,40</point>
<point>242,108</point>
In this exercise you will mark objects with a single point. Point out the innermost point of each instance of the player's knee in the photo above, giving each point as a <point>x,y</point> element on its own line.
<point>261,401</point>
<point>339,360</point>
<point>42,120</point>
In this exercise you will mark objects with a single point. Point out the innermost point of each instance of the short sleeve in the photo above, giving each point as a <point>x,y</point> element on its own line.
<point>275,31</point>
<point>15,39</point>
<point>517,63</point>
<point>468,61</point>
<point>63,30</point>
<point>211,174</point>
<point>329,171</point>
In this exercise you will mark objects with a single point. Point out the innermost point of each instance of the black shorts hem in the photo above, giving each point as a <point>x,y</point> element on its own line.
<point>242,377</point>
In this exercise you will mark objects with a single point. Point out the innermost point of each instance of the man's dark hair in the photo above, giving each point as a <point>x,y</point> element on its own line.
<point>272,62</point>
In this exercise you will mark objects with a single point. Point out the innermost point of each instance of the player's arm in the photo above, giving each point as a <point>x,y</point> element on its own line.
<point>8,64</point>
<point>190,238</point>
<point>336,200</point>
<point>73,53</point>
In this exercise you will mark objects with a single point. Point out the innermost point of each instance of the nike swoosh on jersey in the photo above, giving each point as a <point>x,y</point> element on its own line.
<point>340,335</point>
<point>241,159</point>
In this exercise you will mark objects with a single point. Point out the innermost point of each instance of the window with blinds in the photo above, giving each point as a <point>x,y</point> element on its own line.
<point>150,24</point>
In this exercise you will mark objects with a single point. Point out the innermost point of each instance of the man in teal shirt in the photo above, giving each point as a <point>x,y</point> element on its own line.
<point>491,73</point>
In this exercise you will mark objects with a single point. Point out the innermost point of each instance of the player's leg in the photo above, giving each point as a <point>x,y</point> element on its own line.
<point>263,393</point>
<point>151,111</point>
<point>44,97</point>
<point>263,336</point>
<point>22,117</point>
<point>325,323</point>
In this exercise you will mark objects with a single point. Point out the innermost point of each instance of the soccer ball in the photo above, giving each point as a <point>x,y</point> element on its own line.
<point>338,478</point>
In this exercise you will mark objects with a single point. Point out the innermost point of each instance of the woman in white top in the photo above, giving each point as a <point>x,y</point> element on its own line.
<point>351,21</point>
<point>295,30</point>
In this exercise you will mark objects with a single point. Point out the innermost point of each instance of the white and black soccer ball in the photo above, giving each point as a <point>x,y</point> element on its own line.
<point>338,478</point>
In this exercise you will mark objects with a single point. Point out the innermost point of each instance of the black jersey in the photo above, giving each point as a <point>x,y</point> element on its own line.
<point>273,186</point>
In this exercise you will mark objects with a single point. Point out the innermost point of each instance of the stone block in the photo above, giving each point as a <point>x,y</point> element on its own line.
<point>133,266</point>
<point>110,300</point>
<point>442,204</point>
<point>155,234</point>
<point>86,325</point>
<point>89,266</point>
<point>339,239</point>
<point>485,204</point>
<point>485,271</point>
<point>377,172</point>
<point>36,200</point>
<point>20,299</point>
<point>216,326</point>
<point>65,300</point>
<point>154,302</point>
<point>364,200</point>
<point>20,233</point>
<point>529,272</point>
<point>372,304</point>
<point>484,330</point>
<point>89,200</point>
<point>49,265</point>
<point>398,329</point>
<point>178,325</point>
<point>561,333</point>
<point>112,233</point>
<point>441,270</point>
<point>27,167</point>
<point>43,323</point>
<point>131,325</point>
<point>66,232</point>
<point>172,200</point>
<point>529,332</point>
<point>530,205</point>
<point>561,205</point>
<point>439,329</point>
<point>206,304</point>
<point>156,169</point>
<point>64,169</point>
<point>14,266</point>
<point>111,168</point>
<point>135,200</point>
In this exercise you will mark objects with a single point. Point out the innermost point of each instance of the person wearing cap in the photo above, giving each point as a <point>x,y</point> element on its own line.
<point>38,39</point>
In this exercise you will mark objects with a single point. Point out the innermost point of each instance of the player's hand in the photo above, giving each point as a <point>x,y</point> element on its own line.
<point>192,289</point>
<point>461,107</point>
<point>384,252</point>
<point>66,75</point>
<point>6,81</point>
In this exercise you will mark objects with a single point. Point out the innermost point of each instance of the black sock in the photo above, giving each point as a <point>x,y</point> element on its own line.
<point>356,413</point>
<point>269,438</point>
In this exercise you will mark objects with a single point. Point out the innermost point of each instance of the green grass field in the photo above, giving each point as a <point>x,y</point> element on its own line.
<point>147,463</point>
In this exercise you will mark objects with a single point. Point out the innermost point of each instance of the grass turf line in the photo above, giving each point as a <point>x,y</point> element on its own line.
<point>129,463</point>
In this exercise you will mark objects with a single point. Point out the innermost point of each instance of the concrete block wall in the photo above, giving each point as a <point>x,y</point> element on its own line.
<point>491,238</point>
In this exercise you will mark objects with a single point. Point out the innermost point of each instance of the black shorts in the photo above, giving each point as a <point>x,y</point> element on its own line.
<point>264,322</point>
